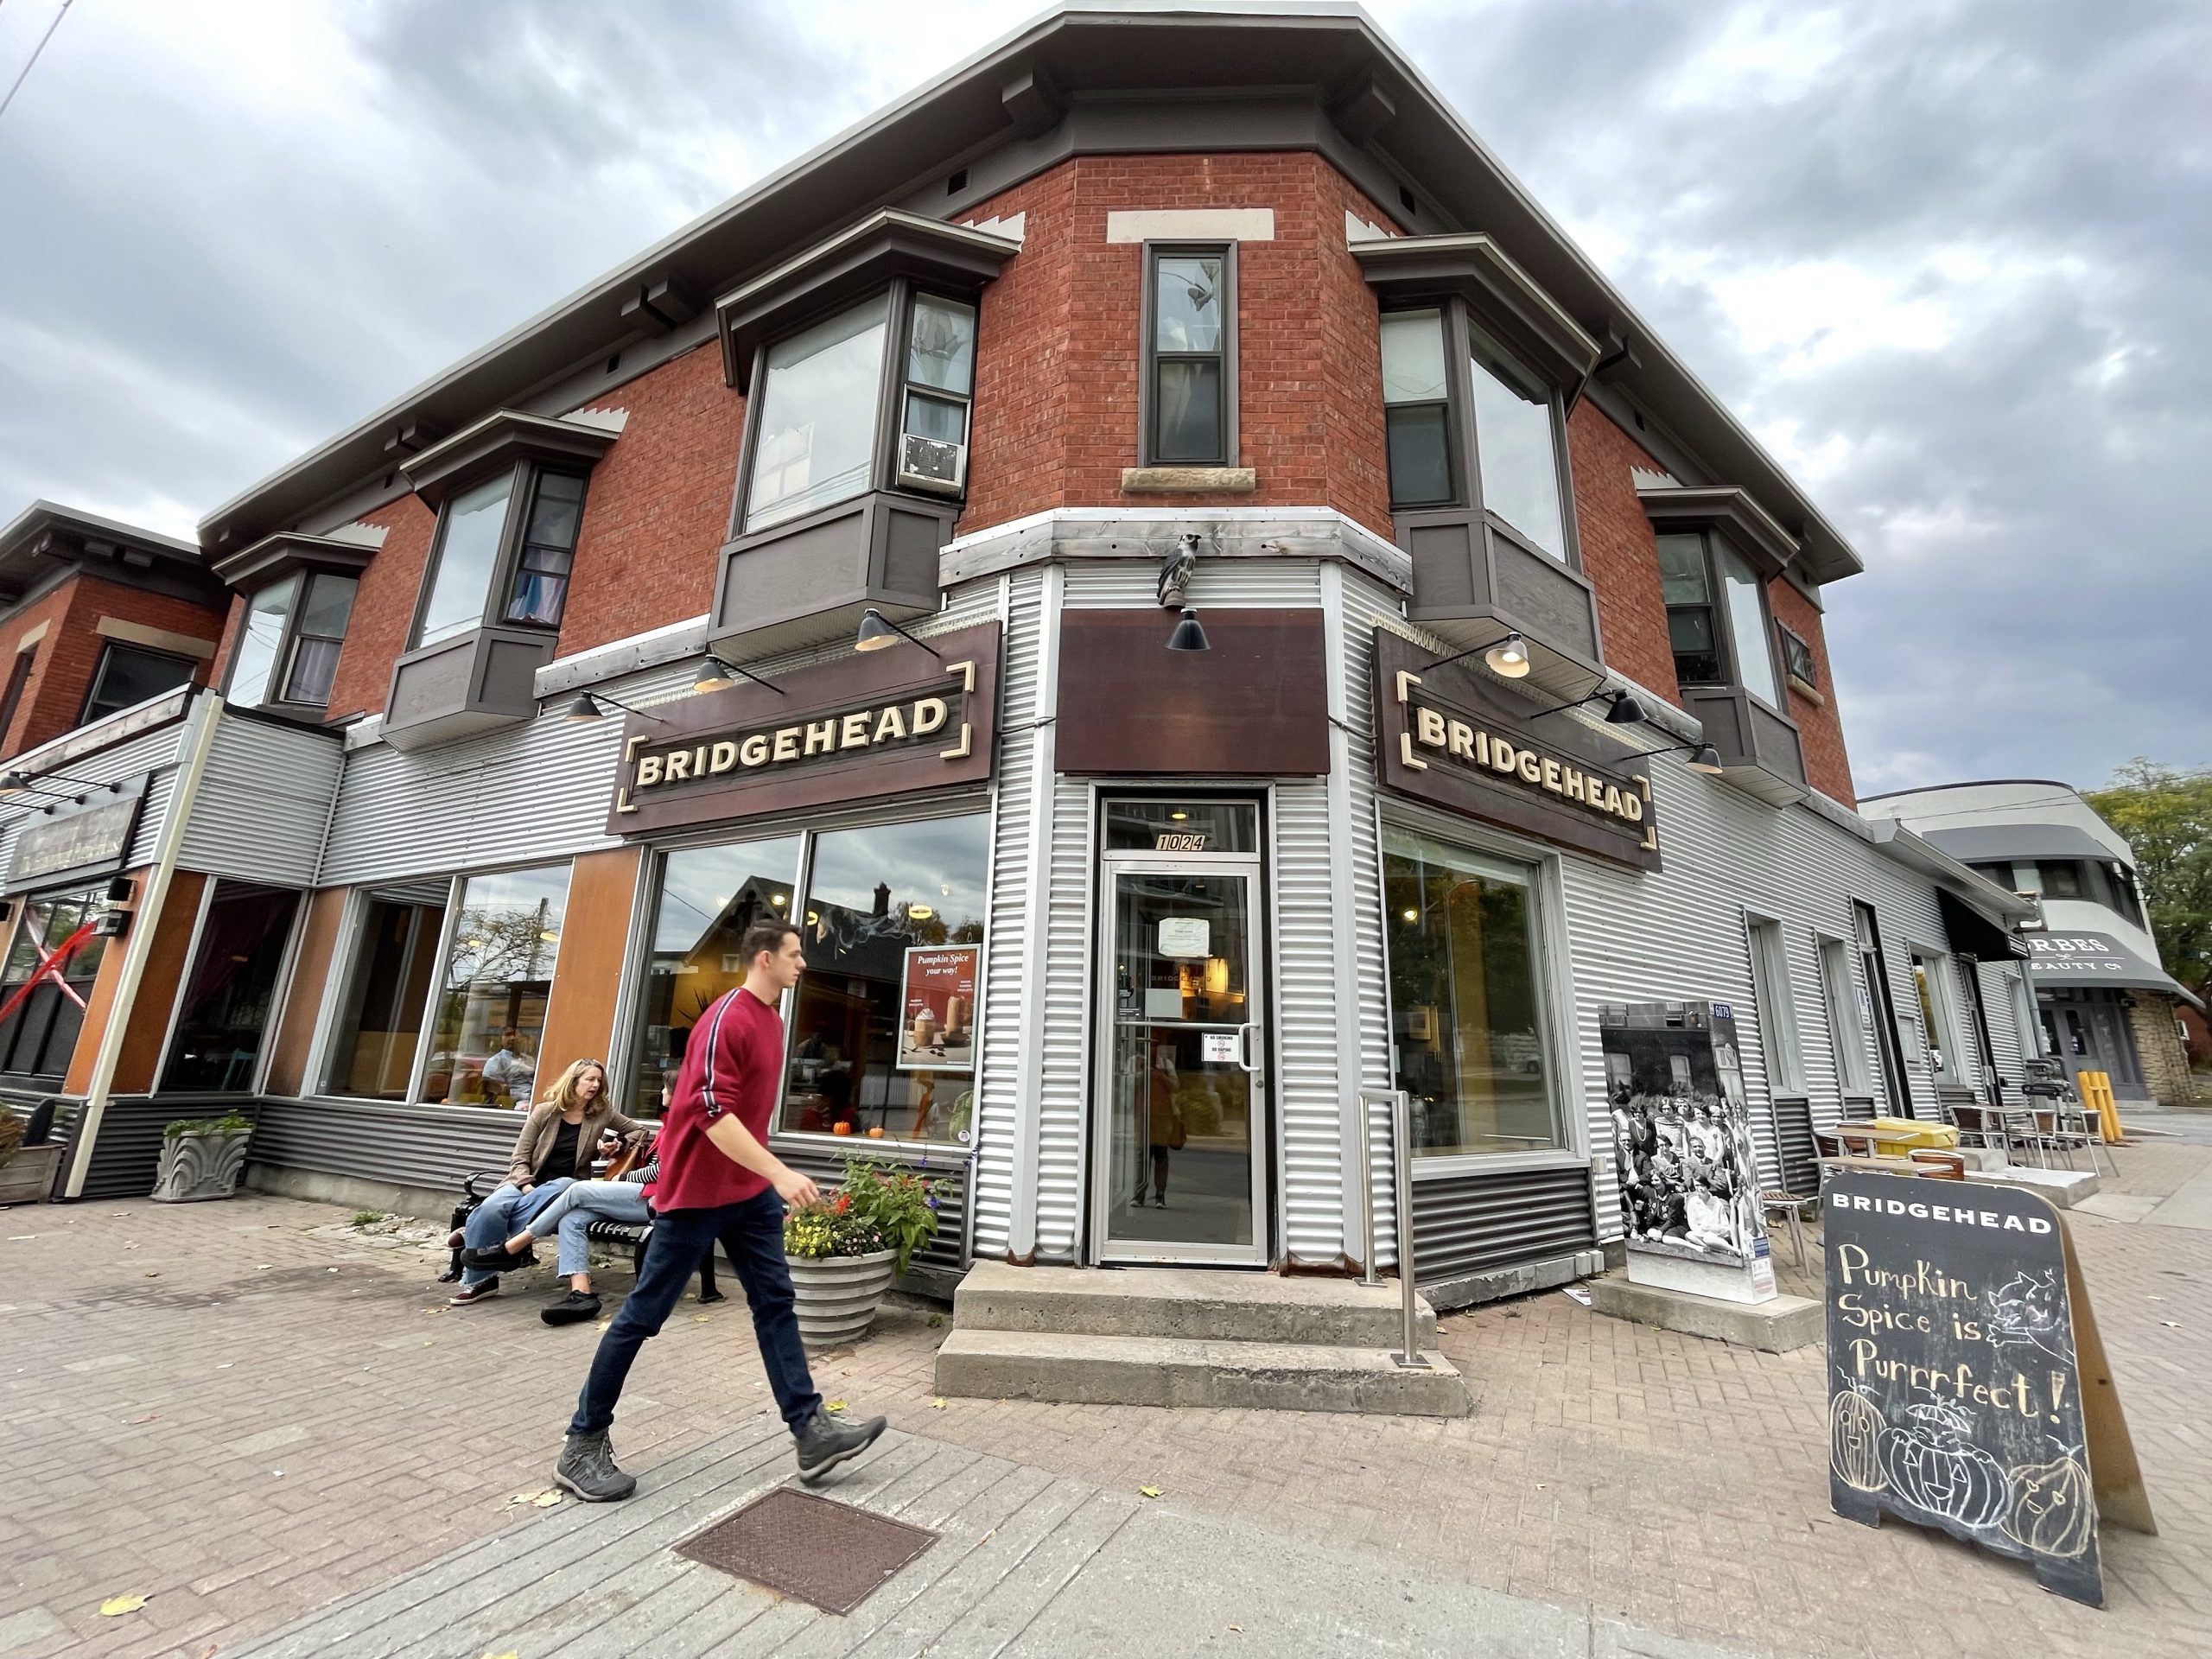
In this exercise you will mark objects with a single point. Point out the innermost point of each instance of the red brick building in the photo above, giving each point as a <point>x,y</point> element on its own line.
<point>1200,602</point>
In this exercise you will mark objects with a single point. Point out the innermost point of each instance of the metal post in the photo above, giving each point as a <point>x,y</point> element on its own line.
<point>1372,1277</point>
<point>1410,1355</point>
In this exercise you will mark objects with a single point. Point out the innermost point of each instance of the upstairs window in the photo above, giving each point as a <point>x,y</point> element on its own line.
<point>128,675</point>
<point>504,550</point>
<point>1518,445</point>
<point>1716,615</point>
<point>1468,423</point>
<point>1798,657</point>
<point>822,399</point>
<point>2061,879</point>
<point>1190,358</point>
<point>288,650</point>
<point>1416,408</point>
<point>12,699</point>
<point>819,403</point>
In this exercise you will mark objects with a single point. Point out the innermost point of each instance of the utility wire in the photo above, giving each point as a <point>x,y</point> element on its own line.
<point>36,51</point>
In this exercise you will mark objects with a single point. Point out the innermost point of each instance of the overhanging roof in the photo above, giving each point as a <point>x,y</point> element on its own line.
<point>1017,87</point>
<point>44,535</point>
<point>1985,841</point>
<point>1997,906</point>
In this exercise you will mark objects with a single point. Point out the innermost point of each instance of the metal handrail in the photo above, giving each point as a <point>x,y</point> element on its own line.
<point>1410,1355</point>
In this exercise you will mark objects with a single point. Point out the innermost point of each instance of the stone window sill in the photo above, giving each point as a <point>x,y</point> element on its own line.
<point>1158,480</point>
<point>1807,692</point>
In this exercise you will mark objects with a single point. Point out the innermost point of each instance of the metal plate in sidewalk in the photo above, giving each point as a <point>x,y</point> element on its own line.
<point>825,1553</point>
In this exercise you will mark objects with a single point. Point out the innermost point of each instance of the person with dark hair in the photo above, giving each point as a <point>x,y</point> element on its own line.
<point>719,1182</point>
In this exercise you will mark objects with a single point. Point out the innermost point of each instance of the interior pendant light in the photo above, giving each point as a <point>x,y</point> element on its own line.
<point>1188,635</point>
<point>1509,658</point>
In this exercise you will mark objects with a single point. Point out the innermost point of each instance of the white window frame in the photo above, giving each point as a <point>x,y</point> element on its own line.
<point>1767,945</point>
<point>1848,1036</point>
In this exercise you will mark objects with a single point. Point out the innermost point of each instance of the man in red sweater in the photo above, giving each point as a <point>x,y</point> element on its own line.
<point>719,1182</point>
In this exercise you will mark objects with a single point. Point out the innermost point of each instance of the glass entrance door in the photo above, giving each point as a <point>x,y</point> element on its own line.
<point>1182,1085</point>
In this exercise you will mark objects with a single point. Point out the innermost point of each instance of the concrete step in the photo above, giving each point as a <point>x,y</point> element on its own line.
<point>1188,1304</point>
<point>2063,1187</point>
<point>1122,1371</point>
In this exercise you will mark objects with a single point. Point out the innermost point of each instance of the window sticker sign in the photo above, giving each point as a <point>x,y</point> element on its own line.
<point>1186,937</point>
<point>1219,1047</point>
<point>936,1021</point>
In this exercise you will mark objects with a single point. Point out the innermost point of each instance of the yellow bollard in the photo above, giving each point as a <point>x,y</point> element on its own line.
<point>2096,1095</point>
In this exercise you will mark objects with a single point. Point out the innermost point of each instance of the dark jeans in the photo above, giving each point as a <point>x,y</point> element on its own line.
<point>752,1237</point>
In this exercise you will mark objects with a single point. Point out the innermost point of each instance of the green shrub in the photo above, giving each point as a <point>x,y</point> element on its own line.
<point>230,1123</point>
<point>11,1136</point>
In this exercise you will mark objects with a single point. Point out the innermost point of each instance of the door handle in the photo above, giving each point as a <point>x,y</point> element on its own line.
<point>1244,1035</point>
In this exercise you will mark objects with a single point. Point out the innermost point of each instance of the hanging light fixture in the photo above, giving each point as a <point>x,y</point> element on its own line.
<point>878,631</point>
<point>1188,635</point>
<point>1707,760</point>
<point>1625,710</point>
<point>1509,658</point>
<point>589,706</point>
<point>715,675</point>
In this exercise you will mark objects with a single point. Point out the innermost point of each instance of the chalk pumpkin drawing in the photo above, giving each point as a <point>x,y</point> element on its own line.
<point>1933,1467</point>
<point>1854,1441</point>
<point>2054,1511</point>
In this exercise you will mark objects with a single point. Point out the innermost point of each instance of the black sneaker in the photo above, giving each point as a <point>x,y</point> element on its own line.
<point>482,1290</point>
<point>587,1468</point>
<point>572,1309</point>
<point>497,1260</point>
<point>828,1441</point>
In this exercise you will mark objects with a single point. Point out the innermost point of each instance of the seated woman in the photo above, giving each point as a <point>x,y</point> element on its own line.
<point>570,1215</point>
<point>556,1145</point>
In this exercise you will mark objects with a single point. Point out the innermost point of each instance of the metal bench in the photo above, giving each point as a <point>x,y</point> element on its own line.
<point>477,1187</point>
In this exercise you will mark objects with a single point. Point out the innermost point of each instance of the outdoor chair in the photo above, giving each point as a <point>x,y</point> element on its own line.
<point>477,1187</point>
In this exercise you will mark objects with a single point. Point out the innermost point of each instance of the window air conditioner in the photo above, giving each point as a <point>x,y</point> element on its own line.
<point>932,463</point>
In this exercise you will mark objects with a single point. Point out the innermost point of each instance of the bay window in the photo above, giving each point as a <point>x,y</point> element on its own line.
<point>1468,1004</point>
<point>288,648</point>
<point>1468,422</point>
<point>1716,615</point>
<point>505,548</point>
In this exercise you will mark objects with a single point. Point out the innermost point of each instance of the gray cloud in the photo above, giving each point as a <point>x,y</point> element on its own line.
<point>1947,258</point>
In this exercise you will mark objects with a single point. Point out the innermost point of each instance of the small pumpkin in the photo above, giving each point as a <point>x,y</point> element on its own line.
<point>1930,1467</point>
<point>1854,1441</point>
<point>2053,1512</point>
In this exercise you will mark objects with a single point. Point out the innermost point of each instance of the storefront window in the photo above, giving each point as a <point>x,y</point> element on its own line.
<point>48,979</point>
<point>1466,1000</point>
<point>226,999</point>
<point>708,896</point>
<point>498,973</point>
<point>883,1029</point>
<point>379,1020</point>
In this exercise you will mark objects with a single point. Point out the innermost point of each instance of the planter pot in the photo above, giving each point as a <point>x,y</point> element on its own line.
<point>838,1294</point>
<point>196,1167</point>
<point>27,1178</point>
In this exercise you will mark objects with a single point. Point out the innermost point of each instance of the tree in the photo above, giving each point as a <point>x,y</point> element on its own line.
<point>2166,813</point>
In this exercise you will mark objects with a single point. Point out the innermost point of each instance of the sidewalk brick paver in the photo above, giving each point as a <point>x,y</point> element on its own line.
<point>244,1411</point>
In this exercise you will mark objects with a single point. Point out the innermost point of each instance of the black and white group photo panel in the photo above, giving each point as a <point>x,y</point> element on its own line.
<point>1682,1131</point>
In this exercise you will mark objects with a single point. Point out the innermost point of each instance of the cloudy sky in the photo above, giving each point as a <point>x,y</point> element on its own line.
<point>1947,257</point>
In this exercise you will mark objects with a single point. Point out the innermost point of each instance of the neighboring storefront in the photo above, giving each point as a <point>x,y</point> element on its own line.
<point>2102,1001</point>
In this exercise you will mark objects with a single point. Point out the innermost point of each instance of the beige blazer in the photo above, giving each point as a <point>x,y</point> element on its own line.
<point>544,1123</point>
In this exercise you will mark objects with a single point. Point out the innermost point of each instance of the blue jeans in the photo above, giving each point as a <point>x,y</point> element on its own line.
<point>500,1216</point>
<point>572,1214</point>
<point>752,1237</point>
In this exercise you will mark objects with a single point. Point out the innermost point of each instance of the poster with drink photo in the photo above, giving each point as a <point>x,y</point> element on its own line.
<point>936,1021</point>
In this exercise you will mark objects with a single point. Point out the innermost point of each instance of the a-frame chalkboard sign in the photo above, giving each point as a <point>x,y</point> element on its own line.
<point>1967,1387</point>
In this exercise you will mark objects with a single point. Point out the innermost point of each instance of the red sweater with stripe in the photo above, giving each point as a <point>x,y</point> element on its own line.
<point>731,1066</point>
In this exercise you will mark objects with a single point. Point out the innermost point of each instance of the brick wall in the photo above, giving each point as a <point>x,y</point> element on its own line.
<point>1059,355</point>
<point>61,675</point>
<point>2158,1044</point>
<point>384,608</point>
<point>1826,765</point>
<point>658,505</point>
<point>1620,552</point>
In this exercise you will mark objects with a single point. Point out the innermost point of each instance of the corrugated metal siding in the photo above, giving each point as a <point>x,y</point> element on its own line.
<point>998,1115</point>
<point>1475,1224</point>
<point>1065,1097</point>
<point>1801,1153</point>
<point>534,792</point>
<point>381,1141</point>
<point>129,1153</point>
<point>264,804</point>
<point>2006,1037</point>
<point>1311,959</point>
<point>154,751</point>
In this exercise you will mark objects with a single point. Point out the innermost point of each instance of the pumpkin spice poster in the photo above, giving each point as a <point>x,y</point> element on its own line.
<point>1954,1395</point>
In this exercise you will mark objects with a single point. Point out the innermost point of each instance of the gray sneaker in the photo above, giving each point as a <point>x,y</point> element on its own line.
<point>828,1441</point>
<point>587,1468</point>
